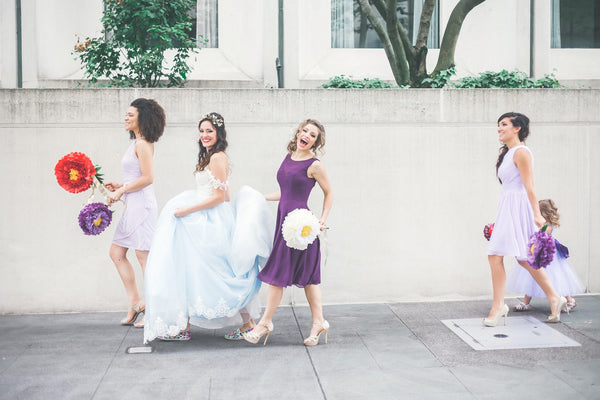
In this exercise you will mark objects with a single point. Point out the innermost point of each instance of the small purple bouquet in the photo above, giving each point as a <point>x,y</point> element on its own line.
<point>94,218</point>
<point>541,249</point>
<point>487,230</point>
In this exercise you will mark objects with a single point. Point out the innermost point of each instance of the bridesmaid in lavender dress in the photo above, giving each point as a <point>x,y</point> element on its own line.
<point>518,217</point>
<point>286,266</point>
<point>145,121</point>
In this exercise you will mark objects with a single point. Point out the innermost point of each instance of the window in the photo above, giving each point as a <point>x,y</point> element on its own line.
<point>350,28</point>
<point>575,24</point>
<point>205,23</point>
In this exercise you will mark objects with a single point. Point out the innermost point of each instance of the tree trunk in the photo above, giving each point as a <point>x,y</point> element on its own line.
<point>420,69</point>
<point>408,62</point>
<point>383,37</point>
<point>393,30</point>
<point>448,46</point>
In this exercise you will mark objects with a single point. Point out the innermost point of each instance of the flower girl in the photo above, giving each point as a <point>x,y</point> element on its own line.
<point>561,274</point>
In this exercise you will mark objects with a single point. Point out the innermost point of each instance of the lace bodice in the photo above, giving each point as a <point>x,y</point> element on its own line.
<point>206,183</point>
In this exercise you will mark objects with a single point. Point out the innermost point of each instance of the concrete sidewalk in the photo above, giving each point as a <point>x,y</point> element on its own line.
<point>375,351</point>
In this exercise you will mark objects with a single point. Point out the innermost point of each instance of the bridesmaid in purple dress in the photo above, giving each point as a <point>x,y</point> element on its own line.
<point>145,121</point>
<point>518,217</point>
<point>286,266</point>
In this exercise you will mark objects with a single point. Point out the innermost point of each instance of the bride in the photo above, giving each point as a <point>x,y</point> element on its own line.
<point>205,254</point>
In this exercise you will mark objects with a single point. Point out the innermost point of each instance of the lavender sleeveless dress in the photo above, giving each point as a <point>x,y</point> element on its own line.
<point>514,221</point>
<point>136,227</point>
<point>287,266</point>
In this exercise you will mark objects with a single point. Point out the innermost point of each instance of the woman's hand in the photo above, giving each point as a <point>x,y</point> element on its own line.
<point>275,196</point>
<point>182,212</point>
<point>112,186</point>
<point>116,195</point>
<point>539,221</point>
<point>323,225</point>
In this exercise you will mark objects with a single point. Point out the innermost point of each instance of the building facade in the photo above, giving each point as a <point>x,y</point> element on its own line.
<point>313,40</point>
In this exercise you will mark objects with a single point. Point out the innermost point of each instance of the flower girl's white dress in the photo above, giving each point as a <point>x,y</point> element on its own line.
<point>204,265</point>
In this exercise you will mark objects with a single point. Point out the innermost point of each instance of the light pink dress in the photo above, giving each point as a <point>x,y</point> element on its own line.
<point>514,222</point>
<point>137,224</point>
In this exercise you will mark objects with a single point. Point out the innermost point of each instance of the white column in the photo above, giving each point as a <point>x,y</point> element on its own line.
<point>270,41</point>
<point>8,44</point>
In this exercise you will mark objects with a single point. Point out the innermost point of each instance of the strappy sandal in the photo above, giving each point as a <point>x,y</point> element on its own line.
<point>238,334</point>
<point>569,306</point>
<point>181,336</point>
<point>522,307</point>
<point>137,310</point>
<point>140,325</point>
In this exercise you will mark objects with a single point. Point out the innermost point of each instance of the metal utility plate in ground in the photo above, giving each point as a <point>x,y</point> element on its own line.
<point>519,333</point>
<point>139,350</point>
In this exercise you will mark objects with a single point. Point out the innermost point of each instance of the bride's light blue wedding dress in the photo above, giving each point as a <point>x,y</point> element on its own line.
<point>203,266</point>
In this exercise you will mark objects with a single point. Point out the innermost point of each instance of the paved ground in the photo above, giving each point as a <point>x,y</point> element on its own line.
<point>375,351</point>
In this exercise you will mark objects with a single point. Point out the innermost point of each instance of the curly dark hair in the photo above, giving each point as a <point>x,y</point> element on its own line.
<point>151,119</point>
<point>218,123</point>
<point>319,143</point>
<point>518,120</point>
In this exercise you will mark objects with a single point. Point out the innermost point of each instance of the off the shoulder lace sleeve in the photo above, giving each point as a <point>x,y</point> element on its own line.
<point>216,183</point>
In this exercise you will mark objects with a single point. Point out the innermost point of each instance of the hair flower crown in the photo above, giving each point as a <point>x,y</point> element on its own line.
<point>216,121</point>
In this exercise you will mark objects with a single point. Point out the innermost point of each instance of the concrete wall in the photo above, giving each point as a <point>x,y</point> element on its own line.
<point>412,172</point>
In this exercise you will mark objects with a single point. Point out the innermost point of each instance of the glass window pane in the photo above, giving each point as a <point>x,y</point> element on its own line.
<point>575,24</point>
<point>350,28</point>
<point>205,23</point>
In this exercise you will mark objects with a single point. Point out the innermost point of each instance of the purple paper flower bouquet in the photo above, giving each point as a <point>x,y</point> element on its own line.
<point>541,247</point>
<point>94,218</point>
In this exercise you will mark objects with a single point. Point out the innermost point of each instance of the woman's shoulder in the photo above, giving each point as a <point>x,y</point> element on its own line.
<point>141,142</point>
<point>219,161</point>
<point>220,156</point>
<point>522,151</point>
<point>315,166</point>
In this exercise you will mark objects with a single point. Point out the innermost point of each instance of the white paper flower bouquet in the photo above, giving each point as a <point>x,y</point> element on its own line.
<point>300,228</point>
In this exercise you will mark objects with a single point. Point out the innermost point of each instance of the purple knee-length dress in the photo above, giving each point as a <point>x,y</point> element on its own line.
<point>287,266</point>
<point>137,224</point>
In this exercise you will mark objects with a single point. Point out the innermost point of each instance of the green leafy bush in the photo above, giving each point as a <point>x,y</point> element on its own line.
<point>440,80</point>
<point>346,82</point>
<point>503,79</point>
<point>506,79</point>
<point>136,36</point>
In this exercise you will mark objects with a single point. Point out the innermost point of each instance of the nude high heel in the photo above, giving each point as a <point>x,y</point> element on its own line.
<point>313,340</point>
<point>254,337</point>
<point>137,310</point>
<point>494,321</point>
<point>556,316</point>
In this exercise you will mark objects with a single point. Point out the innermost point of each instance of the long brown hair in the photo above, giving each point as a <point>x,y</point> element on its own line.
<point>550,212</point>
<point>319,143</point>
<point>517,120</point>
<point>218,123</point>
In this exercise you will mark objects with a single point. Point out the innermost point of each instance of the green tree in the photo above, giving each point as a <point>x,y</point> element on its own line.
<point>138,38</point>
<point>408,61</point>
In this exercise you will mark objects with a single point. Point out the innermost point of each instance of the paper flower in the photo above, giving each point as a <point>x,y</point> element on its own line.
<point>300,228</point>
<point>75,172</point>
<point>561,249</point>
<point>94,218</point>
<point>487,230</point>
<point>541,249</point>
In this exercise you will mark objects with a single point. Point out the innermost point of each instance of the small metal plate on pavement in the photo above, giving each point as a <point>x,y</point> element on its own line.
<point>518,333</point>
<point>139,350</point>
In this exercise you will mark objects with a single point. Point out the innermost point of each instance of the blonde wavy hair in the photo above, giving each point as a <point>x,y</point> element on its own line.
<point>550,212</point>
<point>319,143</point>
